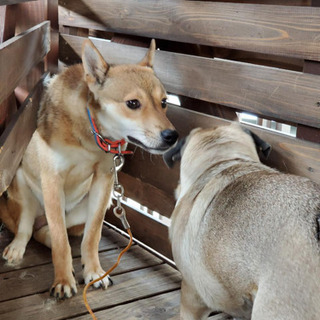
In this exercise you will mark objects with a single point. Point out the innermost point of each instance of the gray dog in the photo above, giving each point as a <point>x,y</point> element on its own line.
<point>244,236</point>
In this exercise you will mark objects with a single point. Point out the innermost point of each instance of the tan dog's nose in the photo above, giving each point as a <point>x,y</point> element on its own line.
<point>169,136</point>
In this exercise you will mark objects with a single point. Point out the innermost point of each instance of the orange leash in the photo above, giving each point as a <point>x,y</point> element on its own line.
<point>84,295</point>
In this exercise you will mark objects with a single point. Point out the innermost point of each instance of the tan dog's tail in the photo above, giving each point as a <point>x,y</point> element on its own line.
<point>9,212</point>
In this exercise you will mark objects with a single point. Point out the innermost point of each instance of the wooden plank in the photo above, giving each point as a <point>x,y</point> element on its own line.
<point>282,30</point>
<point>19,54</point>
<point>274,93</point>
<point>147,195</point>
<point>17,135</point>
<point>7,109</point>
<point>7,30</point>
<point>38,254</point>
<point>313,67</point>
<point>7,22</point>
<point>20,283</point>
<point>164,306</point>
<point>145,229</point>
<point>29,14</point>
<point>289,155</point>
<point>127,287</point>
<point>10,2</point>
<point>52,15</point>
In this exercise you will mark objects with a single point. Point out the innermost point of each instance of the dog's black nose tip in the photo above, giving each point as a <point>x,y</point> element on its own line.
<point>169,136</point>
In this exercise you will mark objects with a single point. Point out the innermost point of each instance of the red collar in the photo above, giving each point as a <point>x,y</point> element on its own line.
<point>107,145</point>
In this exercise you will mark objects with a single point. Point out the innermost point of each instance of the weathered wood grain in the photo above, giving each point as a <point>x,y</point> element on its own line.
<point>38,254</point>
<point>17,135</point>
<point>160,307</point>
<point>282,30</point>
<point>127,287</point>
<point>147,195</point>
<point>145,229</point>
<point>52,15</point>
<point>6,2</point>
<point>274,93</point>
<point>19,283</point>
<point>7,30</point>
<point>20,54</point>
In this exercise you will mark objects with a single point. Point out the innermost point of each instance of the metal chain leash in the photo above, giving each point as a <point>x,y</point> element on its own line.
<point>118,191</point>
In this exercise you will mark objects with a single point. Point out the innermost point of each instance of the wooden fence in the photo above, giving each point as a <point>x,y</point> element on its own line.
<point>24,43</point>
<point>261,57</point>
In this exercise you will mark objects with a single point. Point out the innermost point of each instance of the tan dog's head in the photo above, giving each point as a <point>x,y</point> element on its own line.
<point>131,99</point>
<point>205,147</point>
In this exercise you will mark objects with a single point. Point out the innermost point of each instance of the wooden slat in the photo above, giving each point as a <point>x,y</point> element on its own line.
<point>17,135</point>
<point>37,254</point>
<point>52,15</point>
<point>274,93</point>
<point>19,54</point>
<point>6,2</point>
<point>289,155</point>
<point>20,283</point>
<point>7,30</point>
<point>147,195</point>
<point>165,306</point>
<point>283,30</point>
<point>7,22</point>
<point>146,230</point>
<point>127,287</point>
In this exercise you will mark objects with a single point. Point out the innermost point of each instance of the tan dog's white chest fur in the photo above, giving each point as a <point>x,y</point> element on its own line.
<point>65,175</point>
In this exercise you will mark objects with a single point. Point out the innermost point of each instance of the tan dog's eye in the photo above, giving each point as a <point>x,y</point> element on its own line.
<point>133,104</point>
<point>164,103</point>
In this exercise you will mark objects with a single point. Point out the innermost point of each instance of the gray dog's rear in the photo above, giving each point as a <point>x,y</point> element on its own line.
<point>244,236</point>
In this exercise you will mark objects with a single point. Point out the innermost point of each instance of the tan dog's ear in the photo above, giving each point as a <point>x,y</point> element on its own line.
<point>95,67</point>
<point>147,61</point>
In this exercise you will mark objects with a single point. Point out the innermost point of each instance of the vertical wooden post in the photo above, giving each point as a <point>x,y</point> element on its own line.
<point>53,55</point>
<point>313,67</point>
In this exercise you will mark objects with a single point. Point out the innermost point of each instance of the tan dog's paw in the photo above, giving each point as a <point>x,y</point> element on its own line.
<point>64,288</point>
<point>14,252</point>
<point>90,275</point>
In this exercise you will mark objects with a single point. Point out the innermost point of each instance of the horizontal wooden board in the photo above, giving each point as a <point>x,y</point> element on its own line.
<point>289,155</point>
<point>17,135</point>
<point>282,30</point>
<point>146,230</point>
<point>20,283</point>
<point>147,195</point>
<point>6,2</point>
<point>274,93</point>
<point>127,287</point>
<point>20,54</point>
<point>38,254</point>
<point>160,307</point>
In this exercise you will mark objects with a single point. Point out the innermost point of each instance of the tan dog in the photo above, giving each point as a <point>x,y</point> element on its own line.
<point>244,236</point>
<point>65,174</point>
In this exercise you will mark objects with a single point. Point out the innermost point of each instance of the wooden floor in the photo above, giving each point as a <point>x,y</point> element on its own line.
<point>145,287</point>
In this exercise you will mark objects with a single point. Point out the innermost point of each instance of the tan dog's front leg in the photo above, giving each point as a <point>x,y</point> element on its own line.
<point>52,185</point>
<point>64,285</point>
<point>99,198</point>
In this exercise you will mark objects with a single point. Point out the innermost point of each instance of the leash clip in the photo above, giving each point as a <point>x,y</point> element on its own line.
<point>118,191</point>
